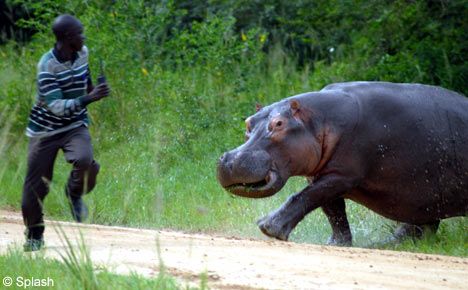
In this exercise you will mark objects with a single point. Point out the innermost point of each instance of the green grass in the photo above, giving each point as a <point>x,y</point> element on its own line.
<point>74,271</point>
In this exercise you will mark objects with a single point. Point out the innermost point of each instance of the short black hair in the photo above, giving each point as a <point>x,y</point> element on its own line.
<point>62,25</point>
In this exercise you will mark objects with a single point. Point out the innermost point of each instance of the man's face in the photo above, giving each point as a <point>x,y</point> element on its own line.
<point>76,38</point>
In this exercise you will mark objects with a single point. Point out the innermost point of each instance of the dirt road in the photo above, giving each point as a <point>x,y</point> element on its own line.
<point>232,263</point>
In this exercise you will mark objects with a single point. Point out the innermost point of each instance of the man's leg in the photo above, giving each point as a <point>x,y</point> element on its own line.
<point>41,158</point>
<point>78,151</point>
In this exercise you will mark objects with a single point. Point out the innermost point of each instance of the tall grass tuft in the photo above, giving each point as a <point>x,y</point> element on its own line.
<point>78,260</point>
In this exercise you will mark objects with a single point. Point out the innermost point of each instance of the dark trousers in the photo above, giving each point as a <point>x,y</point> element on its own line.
<point>77,148</point>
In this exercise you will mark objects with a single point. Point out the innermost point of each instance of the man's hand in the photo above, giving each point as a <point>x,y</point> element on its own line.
<point>100,91</point>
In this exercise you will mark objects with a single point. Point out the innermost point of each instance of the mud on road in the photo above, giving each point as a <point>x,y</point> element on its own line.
<point>232,263</point>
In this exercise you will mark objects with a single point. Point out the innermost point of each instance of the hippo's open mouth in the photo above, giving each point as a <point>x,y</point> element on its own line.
<point>268,186</point>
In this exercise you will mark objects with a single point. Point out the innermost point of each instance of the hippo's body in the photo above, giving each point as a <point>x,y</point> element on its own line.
<point>399,149</point>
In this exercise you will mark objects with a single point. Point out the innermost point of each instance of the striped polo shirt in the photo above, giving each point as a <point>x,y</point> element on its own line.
<point>60,88</point>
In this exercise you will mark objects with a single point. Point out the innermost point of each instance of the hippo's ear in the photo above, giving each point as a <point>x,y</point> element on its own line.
<point>299,112</point>
<point>258,107</point>
<point>295,107</point>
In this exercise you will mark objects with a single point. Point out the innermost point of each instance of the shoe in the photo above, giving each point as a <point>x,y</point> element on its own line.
<point>78,208</point>
<point>32,245</point>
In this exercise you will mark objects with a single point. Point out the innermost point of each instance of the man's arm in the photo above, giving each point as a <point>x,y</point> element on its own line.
<point>94,93</point>
<point>53,96</point>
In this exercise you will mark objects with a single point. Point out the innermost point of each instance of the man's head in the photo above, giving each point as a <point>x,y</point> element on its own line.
<point>69,31</point>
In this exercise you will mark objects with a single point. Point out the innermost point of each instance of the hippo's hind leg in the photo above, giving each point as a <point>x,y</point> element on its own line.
<point>336,214</point>
<point>405,231</point>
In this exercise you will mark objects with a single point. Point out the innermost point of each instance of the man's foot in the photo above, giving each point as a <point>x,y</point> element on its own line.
<point>33,245</point>
<point>78,208</point>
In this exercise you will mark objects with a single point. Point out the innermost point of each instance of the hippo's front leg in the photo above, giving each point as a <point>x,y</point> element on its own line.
<point>282,221</point>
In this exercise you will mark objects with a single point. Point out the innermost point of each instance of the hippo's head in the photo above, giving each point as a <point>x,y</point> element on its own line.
<point>280,142</point>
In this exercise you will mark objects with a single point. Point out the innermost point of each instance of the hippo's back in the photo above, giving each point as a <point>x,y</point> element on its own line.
<point>409,109</point>
<point>417,96</point>
<point>413,140</point>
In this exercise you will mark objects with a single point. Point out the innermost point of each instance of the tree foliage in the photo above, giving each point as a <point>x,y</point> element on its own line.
<point>403,41</point>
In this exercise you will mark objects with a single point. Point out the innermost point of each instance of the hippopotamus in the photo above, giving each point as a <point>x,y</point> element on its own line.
<point>400,150</point>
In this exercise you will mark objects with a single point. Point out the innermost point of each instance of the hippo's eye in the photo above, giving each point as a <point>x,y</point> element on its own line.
<point>276,125</point>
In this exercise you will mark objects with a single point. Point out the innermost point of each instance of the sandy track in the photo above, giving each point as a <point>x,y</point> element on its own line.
<point>232,263</point>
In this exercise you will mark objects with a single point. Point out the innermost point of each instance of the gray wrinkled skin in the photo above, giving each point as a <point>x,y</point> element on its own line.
<point>399,149</point>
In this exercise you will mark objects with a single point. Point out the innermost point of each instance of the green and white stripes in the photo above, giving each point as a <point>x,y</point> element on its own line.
<point>60,87</point>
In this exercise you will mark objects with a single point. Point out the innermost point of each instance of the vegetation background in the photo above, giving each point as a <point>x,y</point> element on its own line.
<point>184,76</point>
